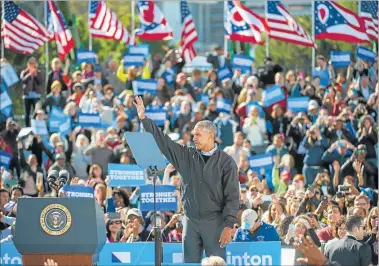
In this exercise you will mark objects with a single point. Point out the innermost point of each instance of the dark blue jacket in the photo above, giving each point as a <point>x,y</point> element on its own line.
<point>314,151</point>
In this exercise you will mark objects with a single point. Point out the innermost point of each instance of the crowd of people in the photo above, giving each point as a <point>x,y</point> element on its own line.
<point>321,192</point>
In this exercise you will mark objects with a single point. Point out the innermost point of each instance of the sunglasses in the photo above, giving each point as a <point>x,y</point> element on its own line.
<point>115,222</point>
<point>374,217</point>
<point>361,151</point>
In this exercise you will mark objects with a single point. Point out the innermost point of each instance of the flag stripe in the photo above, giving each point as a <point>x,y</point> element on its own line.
<point>189,34</point>
<point>20,31</point>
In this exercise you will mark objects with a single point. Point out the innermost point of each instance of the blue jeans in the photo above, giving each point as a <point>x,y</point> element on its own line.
<point>310,173</point>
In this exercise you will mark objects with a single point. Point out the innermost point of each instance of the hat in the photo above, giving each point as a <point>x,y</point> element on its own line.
<point>135,212</point>
<point>248,218</point>
<point>60,156</point>
<point>313,105</point>
<point>77,84</point>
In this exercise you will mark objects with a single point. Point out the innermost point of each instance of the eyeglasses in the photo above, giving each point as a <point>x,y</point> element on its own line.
<point>115,222</point>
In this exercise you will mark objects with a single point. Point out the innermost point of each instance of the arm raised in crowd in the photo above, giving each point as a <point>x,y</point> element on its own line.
<point>174,152</point>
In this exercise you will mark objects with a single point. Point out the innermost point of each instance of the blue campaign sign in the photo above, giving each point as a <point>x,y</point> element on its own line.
<point>7,111</point>
<point>169,76</point>
<point>223,105</point>
<point>205,99</point>
<point>5,159</point>
<point>260,109</point>
<point>158,115</point>
<point>4,86</point>
<point>340,58</point>
<point>8,74</point>
<point>89,120</point>
<point>243,62</point>
<point>73,191</point>
<point>59,123</point>
<point>39,127</point>
<point>224,73</point>
<point>247,253</point>
<point>165,197</point>
<point>143,86</point>
<point>298,104</point>
<point>366,54</point>
<point>9,255</point>
<point>126,175</point>
<point>262,164</point>
<point>127,254</point>
<point>272,95</point>
<point>139,49</point>
<point>5,100</point>
<point>87,56</point>
<point>136,60</point>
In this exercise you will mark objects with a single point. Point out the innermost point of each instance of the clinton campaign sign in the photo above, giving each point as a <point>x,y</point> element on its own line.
<point>85,56</point>
<point>241,254</point>
<point>340,59</point>
<point>366,54</point>
<point>243,62</point>
<point>158,115</point>
<point>262,164</point>
<point>272,95</point>
<point>73,191</point>
<point>136,60</point>
<point>126,175</point>
<point>165,198</point>
<point>298,104</point>
<point>139,49</point>
<point>145,86</point>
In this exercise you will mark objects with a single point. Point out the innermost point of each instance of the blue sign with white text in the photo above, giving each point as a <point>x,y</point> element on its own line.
<point>85,56</point>
<point>143,86</point>
<point>136,60</point>
<point>60,123</point>
<point>340,58</point>
<point>272,95</point>
<point>256,104</point>
<point>139,49</point>
<point>262,164</point>
<point>243,62</point>
<point>165,198</point>
<point>158,115</point>
<point>5,159</point>
<point>76,191</point>
<point>126,175</point>
<point>366,54</point>
<point>224,73</point>
<point>8,74</point>
<point>223,106</point>
<point>89,120</point>
<point>39,127</point>
<point>298,104</point>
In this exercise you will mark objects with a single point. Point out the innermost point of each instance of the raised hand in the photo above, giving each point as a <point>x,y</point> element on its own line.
<point>140,108</point>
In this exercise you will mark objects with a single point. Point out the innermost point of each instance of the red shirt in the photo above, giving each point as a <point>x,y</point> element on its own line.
<point>325,234</point>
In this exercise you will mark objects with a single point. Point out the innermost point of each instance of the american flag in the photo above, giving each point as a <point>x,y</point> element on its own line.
<point>62,34</point>
<point>335,22</point>
<point>153,24</point>
<point>189,34</point>
<point>103,23</point>
<point>369,12</point>
<point>284,27</point>
<point>20,31</point>
<point>242,24</point>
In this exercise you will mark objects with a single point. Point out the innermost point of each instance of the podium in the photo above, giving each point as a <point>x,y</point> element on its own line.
<point>70,231</point>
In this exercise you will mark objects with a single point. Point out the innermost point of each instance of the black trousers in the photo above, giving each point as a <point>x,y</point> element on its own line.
<point>29,105</point>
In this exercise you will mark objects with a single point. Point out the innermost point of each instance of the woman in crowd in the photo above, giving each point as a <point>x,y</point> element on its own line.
<point>95,175</point>
<point>255,129</point>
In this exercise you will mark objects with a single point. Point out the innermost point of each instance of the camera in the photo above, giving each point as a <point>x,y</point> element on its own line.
<point>324,198</point>
<point>343,188</point>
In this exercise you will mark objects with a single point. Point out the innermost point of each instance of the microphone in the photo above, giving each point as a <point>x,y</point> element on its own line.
<point>64,176</point>
<point>52,178</point>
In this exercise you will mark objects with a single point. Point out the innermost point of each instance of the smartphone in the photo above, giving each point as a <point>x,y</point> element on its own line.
<point>324,198</point>
<point>266,198</point>
<point>114,216</point>
<point>343,188</point>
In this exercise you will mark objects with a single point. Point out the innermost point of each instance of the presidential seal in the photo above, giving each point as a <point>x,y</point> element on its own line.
<point>55,219</point>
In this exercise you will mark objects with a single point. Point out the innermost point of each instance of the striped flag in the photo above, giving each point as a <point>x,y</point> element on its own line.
<point>335,22</point>
<point>369,12</point>
<point>242,24</point>
<point>103,23</point>
<point>21,32</point>
<point>62,34</point>
<point>189,34</point>
<point>153,24</point>
<point>284,27</point>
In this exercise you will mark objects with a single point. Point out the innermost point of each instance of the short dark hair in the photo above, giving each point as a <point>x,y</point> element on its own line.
<point>17,187</point>
<point>353,221</point>
<point>121,193</point>
<point>2,190</point>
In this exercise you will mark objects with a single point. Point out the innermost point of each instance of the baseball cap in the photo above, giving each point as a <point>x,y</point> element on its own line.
<point>248,218</point>
<point>312,105</point>
<point>135,212</point>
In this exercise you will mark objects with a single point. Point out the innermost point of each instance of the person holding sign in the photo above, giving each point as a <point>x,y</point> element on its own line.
<point>210,188</point>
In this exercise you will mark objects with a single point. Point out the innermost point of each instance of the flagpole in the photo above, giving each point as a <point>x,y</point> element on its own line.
<point>225,40</point>
<point>267,37</point>
<point>133,9</point>
<point>313,35</point>
<point>47,42</point>
<point>2,20</point>
<point>89,33</point>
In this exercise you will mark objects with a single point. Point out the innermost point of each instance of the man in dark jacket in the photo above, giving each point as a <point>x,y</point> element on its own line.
<point>210,188</point>
<point>31,81</point>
